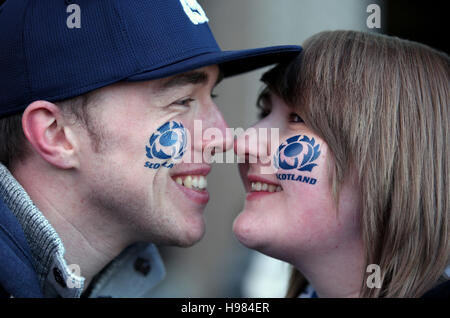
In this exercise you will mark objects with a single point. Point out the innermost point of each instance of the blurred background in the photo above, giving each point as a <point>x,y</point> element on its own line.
<point>219,266</point>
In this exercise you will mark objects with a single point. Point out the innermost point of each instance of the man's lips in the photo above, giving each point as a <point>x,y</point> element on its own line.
<point>203,170</point>
<point>198,196</point>
<point>191,181</point>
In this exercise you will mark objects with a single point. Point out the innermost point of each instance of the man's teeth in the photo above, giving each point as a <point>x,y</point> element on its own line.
<point>192,182</point>
<point>261,186</point>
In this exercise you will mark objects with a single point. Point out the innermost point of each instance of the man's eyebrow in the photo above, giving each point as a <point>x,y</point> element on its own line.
<point>188,78</point>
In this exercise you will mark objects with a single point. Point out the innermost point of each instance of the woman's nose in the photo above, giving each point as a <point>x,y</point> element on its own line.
<point>256,143</point>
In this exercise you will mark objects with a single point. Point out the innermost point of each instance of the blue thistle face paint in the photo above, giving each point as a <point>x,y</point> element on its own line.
<point>166,145</point>
<point>297,153</point>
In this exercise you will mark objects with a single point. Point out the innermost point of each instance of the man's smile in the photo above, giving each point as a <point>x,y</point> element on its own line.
<point>191,181</point>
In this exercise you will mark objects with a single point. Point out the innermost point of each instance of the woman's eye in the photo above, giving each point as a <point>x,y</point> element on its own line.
<point>263,113</point>
<point>185,102</point>
<point>294,118</point>
<point>214,96</point>
<point>264,104</point>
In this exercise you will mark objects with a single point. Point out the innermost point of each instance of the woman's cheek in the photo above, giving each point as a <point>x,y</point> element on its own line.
<point>302,167</point>
<point>311,212</point>
<point>311,222</point>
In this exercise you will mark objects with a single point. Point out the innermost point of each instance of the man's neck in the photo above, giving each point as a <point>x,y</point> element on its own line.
<point>90,241</point>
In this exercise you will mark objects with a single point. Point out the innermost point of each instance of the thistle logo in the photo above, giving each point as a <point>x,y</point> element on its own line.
<point>167,144</point>
<point>287,156</point>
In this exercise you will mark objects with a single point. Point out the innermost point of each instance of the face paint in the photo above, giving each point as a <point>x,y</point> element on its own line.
<point>289,157</point>
<point>166,145</point>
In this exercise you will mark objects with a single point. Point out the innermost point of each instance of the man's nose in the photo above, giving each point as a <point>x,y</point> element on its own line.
<point>216,137</point>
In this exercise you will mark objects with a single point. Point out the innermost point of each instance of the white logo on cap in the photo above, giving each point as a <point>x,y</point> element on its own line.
<point>194,11</point>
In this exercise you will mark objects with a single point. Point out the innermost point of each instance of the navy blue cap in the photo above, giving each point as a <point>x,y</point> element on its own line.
<point>59,49</point>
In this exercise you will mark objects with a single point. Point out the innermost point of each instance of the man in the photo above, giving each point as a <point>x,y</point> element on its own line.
<point>97,99</point>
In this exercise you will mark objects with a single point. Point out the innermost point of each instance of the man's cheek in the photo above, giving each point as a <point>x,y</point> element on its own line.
<point>166,146</point>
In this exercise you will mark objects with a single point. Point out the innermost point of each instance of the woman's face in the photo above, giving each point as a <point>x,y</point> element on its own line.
<point>301,217</point>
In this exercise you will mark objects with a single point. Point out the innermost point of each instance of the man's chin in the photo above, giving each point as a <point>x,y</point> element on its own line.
<point>189,233</point>
<point>189,240</point>
<point>194,234</point>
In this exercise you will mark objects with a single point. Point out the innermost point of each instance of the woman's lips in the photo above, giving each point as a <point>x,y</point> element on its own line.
<point>258,187</point>
<point>258,195</point>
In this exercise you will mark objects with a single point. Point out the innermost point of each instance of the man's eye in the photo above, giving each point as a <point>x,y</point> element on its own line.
<point>214,96</point>
<point>185,102</point>
<point>294,118</point>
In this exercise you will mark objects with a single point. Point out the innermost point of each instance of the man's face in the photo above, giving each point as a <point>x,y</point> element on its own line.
<point>148,204</point>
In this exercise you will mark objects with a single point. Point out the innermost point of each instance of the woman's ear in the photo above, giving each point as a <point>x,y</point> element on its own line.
<point>45,128</point>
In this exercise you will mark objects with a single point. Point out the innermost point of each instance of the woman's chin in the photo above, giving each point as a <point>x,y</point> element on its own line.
<point>247,231</point>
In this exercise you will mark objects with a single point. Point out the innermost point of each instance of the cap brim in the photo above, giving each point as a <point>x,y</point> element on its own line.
<point>231,62</point>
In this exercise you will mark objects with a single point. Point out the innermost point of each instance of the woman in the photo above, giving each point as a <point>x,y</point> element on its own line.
<point>359,203</point>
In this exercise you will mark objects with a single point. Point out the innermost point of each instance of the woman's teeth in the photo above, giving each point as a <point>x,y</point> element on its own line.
<point>192,182</point>
<point>261,186</point>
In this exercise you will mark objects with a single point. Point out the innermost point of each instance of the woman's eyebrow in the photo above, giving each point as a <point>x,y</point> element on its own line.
<point>264,99</point>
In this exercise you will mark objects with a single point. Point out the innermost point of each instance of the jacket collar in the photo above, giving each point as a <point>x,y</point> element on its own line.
<point>132,274</point>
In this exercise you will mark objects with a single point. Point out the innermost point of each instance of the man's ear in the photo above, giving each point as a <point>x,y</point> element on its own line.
<point>50,136</point>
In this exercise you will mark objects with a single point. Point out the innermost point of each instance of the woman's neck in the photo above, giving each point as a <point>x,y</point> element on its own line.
<point>336,273</point>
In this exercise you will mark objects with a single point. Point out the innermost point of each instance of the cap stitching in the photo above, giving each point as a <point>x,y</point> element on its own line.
<point>27,73</point>
<point>105,83</point>
<point>164,62</point>
<point>124,31</point>
<point>121,77</point>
